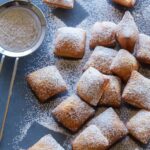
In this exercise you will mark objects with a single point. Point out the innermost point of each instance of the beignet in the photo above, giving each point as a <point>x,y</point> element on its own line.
<point>142,49</point>
<point>70,42</point>
<point>112,94</point>
<point>123,65</point>
<point>126,3</point>
<point>46,82</point>
<point>127,32</point>
<point>91,86</point>
<point>66,4</point>
<point>90,139</point>
<point>139,126</point>
<point>103,34</point>
<point>101,59</point>
<point>73,113</point>
<point>137,91</point>
<point>46,143</point>
<point>110,125</point>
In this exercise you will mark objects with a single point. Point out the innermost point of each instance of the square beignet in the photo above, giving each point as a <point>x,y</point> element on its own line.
<point>101,59</point>
<point>91,86</point>
<point>137,91</point>
<point>70,42</point>
<point>110,125</point>
<point>73,113</point>
<point>46,143</point>
<point>127,32</point>
<point>142,49</point>
<point>90,139</point>
<point>123,65</point>
<point>103,34</point>
<point>112,94</point>
<point>126,3</point>
<point>139,126</point>
<point>66,4</point>
<point>46,82</point>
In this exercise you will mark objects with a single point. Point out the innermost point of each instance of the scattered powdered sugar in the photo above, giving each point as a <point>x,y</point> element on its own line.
<point>71,70</point>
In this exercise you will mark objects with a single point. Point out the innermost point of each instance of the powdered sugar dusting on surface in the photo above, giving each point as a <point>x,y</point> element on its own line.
<point>70,70</point>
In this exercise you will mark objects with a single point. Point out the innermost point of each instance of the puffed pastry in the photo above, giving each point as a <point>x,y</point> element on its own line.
<point>90,139</point>
<point>70,42</point>
<point>137,91</point>
<point>46,82</point>
<point>103,34</point>
<point>101,59</point>
<point>73,113</point>
<point>139,126</point>
<point>91,86</point>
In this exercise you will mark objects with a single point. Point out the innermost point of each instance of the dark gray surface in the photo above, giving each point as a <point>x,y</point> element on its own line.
<point>24,105</point>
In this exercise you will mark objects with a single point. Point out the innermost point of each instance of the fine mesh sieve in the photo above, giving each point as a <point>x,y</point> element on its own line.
<point>18,40</point>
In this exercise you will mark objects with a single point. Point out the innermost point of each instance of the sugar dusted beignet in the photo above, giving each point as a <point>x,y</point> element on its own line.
<point>139,126</point>
<point>101,59</point>
<point>73,113</point>
<point>112,94</point>
<point>142,49</point>
<point>46,143</point>
<point>123,65</point>
<point>90,139</point>
<point>66,4</point>
<point>70,42</point>
<point>137,91</point>
<point>103,34</point>
<point>46,82</point>
<point>91,86</point>
<point>126,3</point>
<point>110,125</point>
<point>127,32</point>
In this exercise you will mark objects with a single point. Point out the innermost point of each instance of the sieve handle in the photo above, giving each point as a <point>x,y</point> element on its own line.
<point>2,62</point>
<point>9,97</point>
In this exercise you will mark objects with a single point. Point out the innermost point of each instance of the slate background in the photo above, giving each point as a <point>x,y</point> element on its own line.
<point>42,57</point>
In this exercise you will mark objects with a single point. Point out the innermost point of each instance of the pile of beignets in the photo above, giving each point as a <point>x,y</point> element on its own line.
<point>101,83</point>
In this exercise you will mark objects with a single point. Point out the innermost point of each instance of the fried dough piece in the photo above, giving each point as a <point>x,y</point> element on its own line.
<point>70,42</point>
<point>139,126</point>
<point>103,34</point>
<point>90,139</point>
<point>101,59</point>
<point>126,3</point>
<point>73,113</point>
<point>46,82</point>
<point>91,86</point>
<point>123,65</point>
<point>137,91</point>
<point>127,32</point>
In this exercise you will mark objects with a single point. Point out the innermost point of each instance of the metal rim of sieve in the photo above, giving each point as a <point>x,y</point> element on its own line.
<point>26,4</point>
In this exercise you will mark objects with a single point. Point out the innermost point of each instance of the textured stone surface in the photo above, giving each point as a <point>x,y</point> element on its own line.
<point>26,117</point>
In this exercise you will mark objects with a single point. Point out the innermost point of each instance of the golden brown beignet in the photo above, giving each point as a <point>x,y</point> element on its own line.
<point>103,34</point>
<point>126,3</point>
<point>139,126</point>
<point>112,94</point>
<point>137,91</point>
<point>110,125</point>
<point>91,86</point>
<point>73,113</point>
<point>46,82</point>
<point>66,4</point>
<point>123,65</point>
<point>142,49</point>
<point>46,143</point>
<point>70,42</point>
<point>127,32</point>
<point>101,59</point>
<point>90,139</point>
